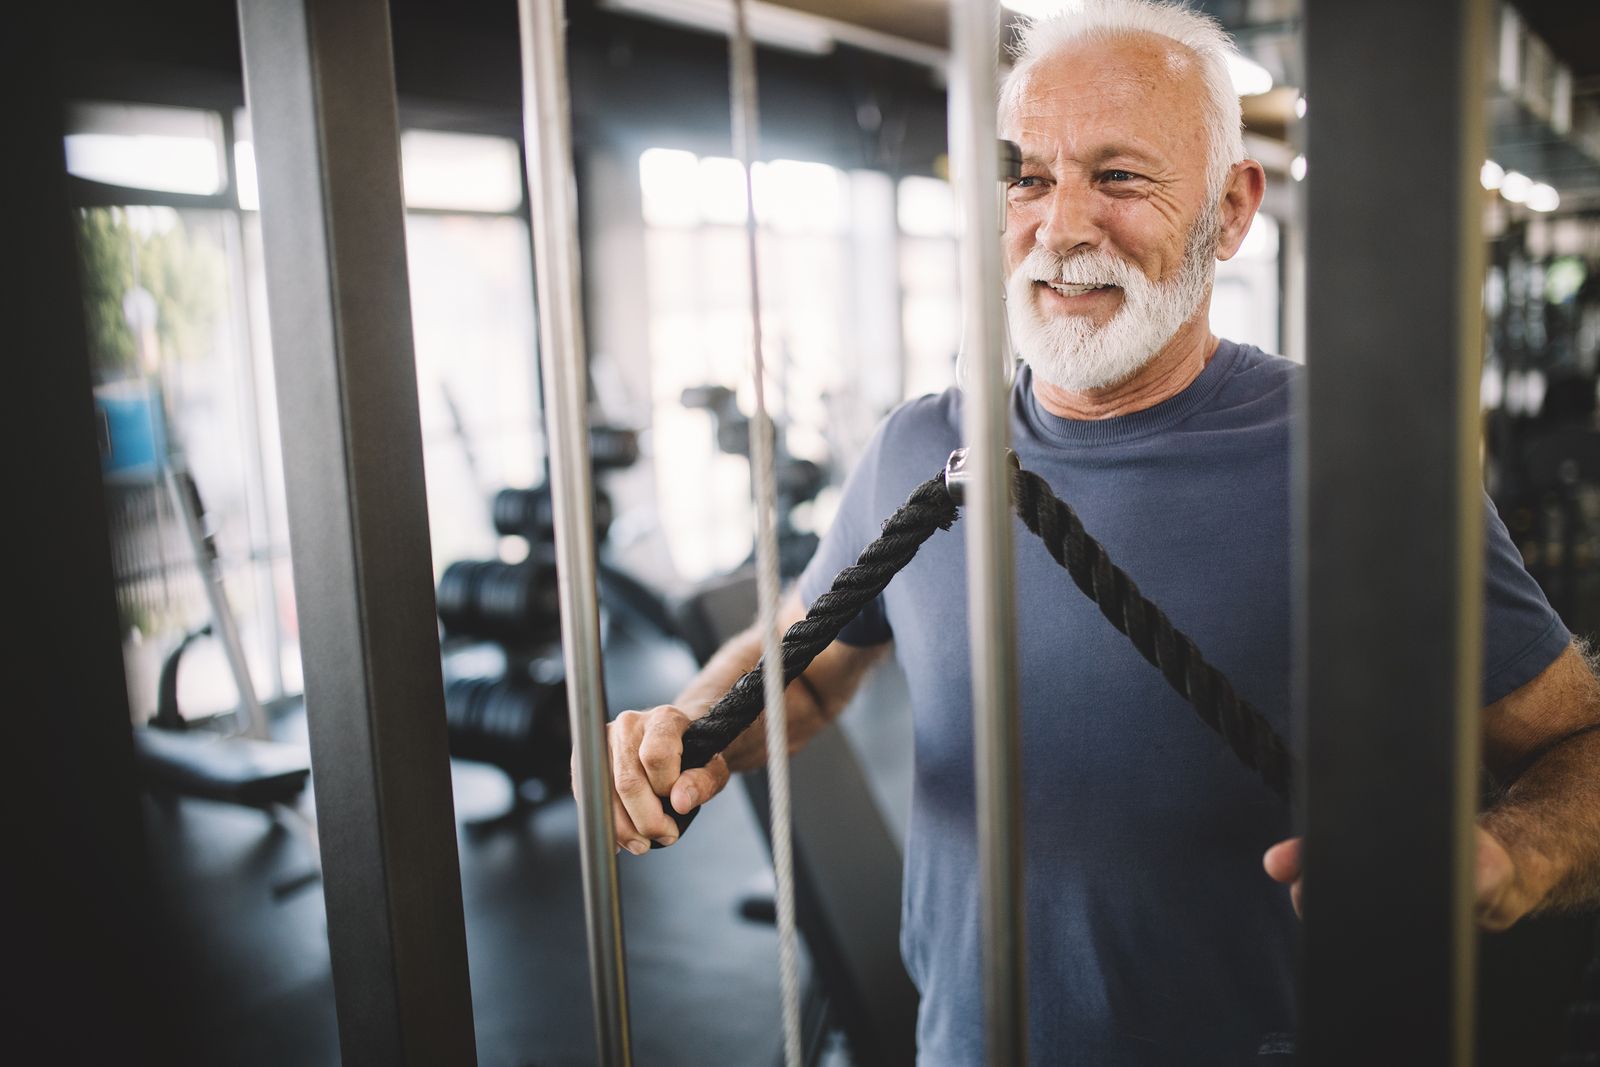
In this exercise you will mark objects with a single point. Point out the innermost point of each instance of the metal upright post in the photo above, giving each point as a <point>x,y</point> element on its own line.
<point>547,137</point>
<point>319,76</point>
<point>85,939</point>
<point>990,570</point>
<point>1391,520</point>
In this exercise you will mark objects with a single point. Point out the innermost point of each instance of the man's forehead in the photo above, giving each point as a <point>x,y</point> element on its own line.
<point>1137,91</point>
<point>1140,65</point>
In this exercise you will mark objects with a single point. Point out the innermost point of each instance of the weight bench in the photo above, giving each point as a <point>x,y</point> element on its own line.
<point>233,770</point>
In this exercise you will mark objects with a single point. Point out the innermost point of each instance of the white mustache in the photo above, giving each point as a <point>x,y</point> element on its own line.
<point>1085,268</point>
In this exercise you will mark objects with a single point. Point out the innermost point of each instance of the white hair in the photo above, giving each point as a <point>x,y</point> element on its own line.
<point>1104,20</point>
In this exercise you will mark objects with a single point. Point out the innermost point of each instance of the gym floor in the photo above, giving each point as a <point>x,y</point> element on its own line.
<point>256,989</point>
<point>703,981</point>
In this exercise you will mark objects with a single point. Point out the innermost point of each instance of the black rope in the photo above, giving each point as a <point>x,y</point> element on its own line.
<point>1167,648</point>
<point>931,507</point>
<point>928,509</point>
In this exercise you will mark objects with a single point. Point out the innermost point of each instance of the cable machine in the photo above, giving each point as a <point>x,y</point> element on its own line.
<point>319,74</point>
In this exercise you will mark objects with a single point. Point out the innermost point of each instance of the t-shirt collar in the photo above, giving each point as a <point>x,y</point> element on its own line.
<point>1120,428</point>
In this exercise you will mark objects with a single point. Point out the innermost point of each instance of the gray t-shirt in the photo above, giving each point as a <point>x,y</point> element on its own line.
<point>1154,937</point>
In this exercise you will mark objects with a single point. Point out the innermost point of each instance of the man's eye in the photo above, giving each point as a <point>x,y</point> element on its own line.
<point>1118,176</point>
<point>1027,181</point>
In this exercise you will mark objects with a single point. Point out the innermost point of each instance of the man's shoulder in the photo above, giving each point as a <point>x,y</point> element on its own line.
<point>1258,382</point>
<point>1264,369</point>
<point>930,419</point>
<point>911,443</point>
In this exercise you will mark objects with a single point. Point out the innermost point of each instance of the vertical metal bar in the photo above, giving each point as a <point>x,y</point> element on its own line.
<point>1390,504</point>
<point>319,76</point>
<point>85,926</point>
<point>547,140</point>
<point>251,718</point>
<point>990,571</point>
<point>746,128</point>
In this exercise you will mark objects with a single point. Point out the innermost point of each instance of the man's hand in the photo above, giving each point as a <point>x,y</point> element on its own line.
<point>1503,895</point>
<point>646,747</point>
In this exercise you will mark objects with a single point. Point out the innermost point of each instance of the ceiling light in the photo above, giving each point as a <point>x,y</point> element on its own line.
<point>1515,186</point>
<point>1300,107</point>
<point>1297,168</point>
<point>1543,197</point>
<point>1249,77</point>
<point>1491,174</point>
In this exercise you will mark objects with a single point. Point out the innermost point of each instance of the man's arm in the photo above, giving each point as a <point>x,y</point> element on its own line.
<point>1542,743</point>
<point>646,746</point>
<point>1539,843</point>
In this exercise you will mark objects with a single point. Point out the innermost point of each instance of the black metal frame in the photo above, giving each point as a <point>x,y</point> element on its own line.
<point>319,75</point>
<point>83,932</point>
<point>1390,528</point>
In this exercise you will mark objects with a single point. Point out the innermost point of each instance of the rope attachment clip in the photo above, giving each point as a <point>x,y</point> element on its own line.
<point>957,473</point>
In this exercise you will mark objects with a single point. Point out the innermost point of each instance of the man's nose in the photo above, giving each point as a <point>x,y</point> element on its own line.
<point>1069,224</point>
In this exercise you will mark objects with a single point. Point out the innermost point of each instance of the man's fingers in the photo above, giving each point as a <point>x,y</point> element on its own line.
<point>628,835</point>
<point>697,786</point>
<point>644,808</point>
<point>639,800</point>
<point>646,760</point>
<point>1282,861</point>
<point>661,748</point>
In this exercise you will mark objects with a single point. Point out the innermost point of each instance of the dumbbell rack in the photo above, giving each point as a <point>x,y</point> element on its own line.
<point>513,718</point>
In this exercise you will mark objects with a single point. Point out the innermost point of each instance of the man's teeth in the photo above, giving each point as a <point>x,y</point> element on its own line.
<point>1071,289</point>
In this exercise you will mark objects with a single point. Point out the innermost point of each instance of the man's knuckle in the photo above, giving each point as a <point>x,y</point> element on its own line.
<point>666,718</point>
<point>655,746</point>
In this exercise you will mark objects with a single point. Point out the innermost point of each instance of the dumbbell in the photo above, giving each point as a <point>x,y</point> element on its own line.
<point>494,600</point>
<point>530,514</point>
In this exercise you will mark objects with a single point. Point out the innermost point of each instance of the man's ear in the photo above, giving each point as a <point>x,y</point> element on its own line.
<point>1241,198</point>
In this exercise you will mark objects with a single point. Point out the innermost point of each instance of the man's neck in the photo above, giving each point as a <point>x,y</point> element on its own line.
<point>1169,372</point>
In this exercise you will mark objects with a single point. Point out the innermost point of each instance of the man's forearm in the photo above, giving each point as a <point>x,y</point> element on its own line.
<point>1549,822</point>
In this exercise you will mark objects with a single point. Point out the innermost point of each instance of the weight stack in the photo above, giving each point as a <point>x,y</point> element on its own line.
<point>518,725</point>
<point>492,600</point>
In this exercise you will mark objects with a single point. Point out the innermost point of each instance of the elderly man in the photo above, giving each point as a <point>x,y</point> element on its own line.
<point>1154,936</point>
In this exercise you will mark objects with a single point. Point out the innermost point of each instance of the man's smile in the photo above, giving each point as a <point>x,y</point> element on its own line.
<point>1078,296</point>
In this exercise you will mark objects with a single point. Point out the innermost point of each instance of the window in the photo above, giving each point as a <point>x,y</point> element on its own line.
<point>826,275</point>
<point>1246,297</point>
<point>169,340</point>
<point>176,311</point>
<point>930,280</point>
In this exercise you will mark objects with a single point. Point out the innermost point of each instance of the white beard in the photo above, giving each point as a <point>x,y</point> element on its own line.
<point>1070,352</point>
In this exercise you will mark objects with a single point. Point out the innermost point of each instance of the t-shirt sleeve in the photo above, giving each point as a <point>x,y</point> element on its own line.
<point>855,525</point>
<point>1522,634</point>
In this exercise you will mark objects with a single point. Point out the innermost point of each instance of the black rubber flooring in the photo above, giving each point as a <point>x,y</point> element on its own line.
<point>253,968</point>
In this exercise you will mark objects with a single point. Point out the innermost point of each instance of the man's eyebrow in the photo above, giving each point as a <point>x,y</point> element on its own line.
<point>1129,152</point>
<point>1098,157</point>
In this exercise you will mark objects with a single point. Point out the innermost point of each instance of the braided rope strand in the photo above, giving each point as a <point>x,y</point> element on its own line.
<point>927,510</point>
<point>1167,648</point>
